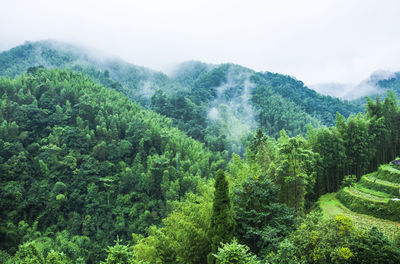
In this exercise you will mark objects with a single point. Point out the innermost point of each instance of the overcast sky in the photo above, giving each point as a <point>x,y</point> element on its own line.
<point>316,41</point>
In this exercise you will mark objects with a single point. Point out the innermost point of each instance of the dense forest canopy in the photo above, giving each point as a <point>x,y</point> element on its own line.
<point>219,105</point>
<point>81,157</point>
<point>105,162</point>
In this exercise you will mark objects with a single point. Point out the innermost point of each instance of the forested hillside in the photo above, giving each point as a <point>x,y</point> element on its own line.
<point>81,162</point>
<point>226,102</point>
<point>219,105</point>
<point>392,83</point>
<point>379,84</point>
<point>267,219</point>
<point>213,164</point>
<point>136,82</point>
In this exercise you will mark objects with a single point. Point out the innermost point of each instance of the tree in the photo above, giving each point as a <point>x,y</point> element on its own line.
<point>385,125</point>
<point>233,252</point>
<point>222,226</point>
<point>262,222</point>
<point>331,160</point>
<point>121,254</point>
<point>294,171</point>
<point>80,157</point>
<point>183,238</point>
<point>31,253</point>
<point>323,241</point>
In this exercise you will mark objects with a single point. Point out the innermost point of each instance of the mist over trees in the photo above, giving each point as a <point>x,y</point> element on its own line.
<point>105,162</point>
<point>219,105</point>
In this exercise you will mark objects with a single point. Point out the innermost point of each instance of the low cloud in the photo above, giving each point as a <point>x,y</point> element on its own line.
<point>350,91</point>
<point>233,111</point>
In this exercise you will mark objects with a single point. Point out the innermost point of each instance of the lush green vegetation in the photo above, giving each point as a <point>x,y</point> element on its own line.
<point>382,85</point>
<point>331,207</point>
<point>392,83</point>
<point>371,182</point>
<point>335,241</point>
<point>76,156</point>
<point>271,101</point>
<point>219,105</point>
<point>136,82</point>
<point>374,194</point>
<point>88,176</point>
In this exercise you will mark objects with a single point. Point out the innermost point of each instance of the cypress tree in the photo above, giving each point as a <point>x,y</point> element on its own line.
<point>222,226</point>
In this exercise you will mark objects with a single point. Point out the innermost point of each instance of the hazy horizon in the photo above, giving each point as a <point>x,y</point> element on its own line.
<point>317,42</point>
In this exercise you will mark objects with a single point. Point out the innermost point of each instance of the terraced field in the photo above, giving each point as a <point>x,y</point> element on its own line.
<point>373,183</point>
<point>370,202</point>
<point>368,194</point>
<point>332,207</point>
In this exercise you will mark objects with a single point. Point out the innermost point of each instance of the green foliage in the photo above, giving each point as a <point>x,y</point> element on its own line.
<point>293,171</point>
<point>385,125</point>
<point>275,101</point>
<point>391,83</point>
<point>356,146</point>
<point>335,241</point>
<point>81,164</point>
<point>373,194</point>
<point>31,253</point>
<point>4,257</point>
<point>275,90</point>
<point>234,252</point>
<point>184,236</point>
<point>331,161</point>
<point>222,225</point>
<point>64,248</point>
<point>79,157</point>
<point>374,247</point>
<point>370,181</point>
<point>262,222</point>
<point>121,254</point>
<point>358,143</point>
<point>348,181</point>
<point>363,203</point>
<point>286,254</point>
<point>397,240</point>
<point>188,72</point>
<point>389,173</point>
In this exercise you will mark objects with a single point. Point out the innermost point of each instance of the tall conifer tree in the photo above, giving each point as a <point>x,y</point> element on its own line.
<point>222,226</point>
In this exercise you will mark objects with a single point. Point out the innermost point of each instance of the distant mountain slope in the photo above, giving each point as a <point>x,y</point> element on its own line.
<point>139,83</point>
<point>218,104</point>
<point>377,84</point>
<point>273,101</point>
<point>391,83</point>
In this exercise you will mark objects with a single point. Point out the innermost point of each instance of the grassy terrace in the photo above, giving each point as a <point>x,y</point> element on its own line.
<point>371,182</point>
<point>332,207</point>
<point>367,195</point>
<point>388,173</point>
<point>371,178</point>
<point>371,192</point>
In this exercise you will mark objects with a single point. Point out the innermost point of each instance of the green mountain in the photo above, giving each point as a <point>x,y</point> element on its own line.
<point>136,82</point>
<point>217,104</point>
<point>377,85</point>
<point>85,162</point>
<point>390,83</point>
<point>230,94</point>
<point>80,157</point>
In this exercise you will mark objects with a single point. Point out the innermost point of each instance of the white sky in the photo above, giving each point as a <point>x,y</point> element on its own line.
<point>316,41</point>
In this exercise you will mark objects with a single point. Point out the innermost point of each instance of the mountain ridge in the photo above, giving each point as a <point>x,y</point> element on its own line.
<point>219,104</point>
